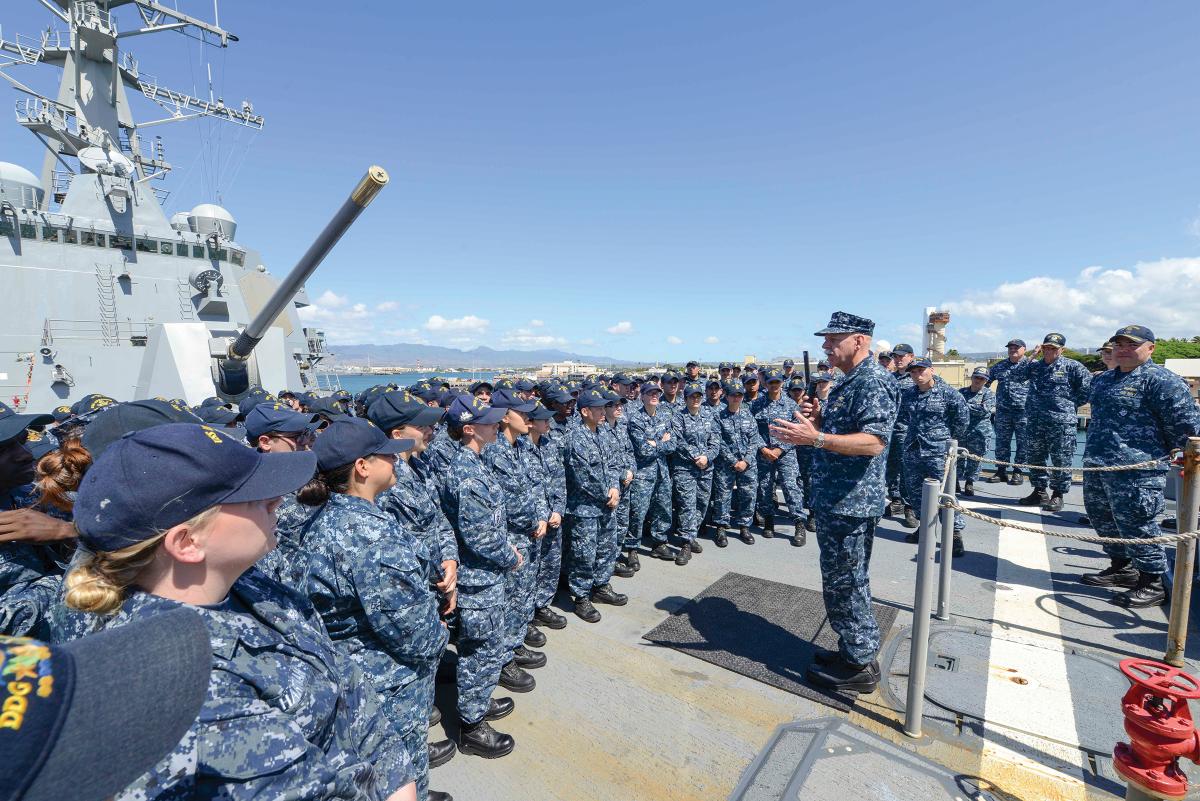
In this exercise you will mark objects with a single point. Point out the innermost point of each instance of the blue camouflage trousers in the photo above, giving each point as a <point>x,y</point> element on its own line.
<point>408,710</point>
<point>895,464</point>
<point>583,537</point>
<point>608,546</point>
<point>519,589</point>
<point>693,487</point>
<point>1008,423</point>
<point>784,473</point>
<point>977,441</point>
<point>549,566</point>
<point>845,544</point>
<point>1127,504</point>
<point>1051,441</point>
<point>917,468</point>
<point>804,463</point>
<point>481,652</point>
<point>649,497</point>
<point>734,494</point>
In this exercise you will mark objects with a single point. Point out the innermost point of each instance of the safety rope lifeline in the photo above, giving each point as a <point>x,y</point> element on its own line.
<point>947,503</point>
<point>1107,469</point>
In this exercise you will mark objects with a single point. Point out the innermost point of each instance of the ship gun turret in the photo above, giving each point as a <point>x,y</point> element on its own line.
<point>230,371</point>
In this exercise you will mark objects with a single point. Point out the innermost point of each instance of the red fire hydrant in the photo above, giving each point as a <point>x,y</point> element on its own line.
<point>1160,727</point>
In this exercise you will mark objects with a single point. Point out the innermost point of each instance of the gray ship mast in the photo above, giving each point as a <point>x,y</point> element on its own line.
<point>103,293</point>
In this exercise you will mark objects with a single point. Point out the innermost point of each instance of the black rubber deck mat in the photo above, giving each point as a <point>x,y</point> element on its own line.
<point>761,629</point>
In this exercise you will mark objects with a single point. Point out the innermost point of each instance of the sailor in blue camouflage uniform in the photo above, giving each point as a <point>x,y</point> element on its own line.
<point>527,513</point>
<point>1012,395</point>
<point>850,433</point>
<point>287,715</point>
<point>371,582</point>
<point>692,466</point>
<point>650,493</point>
<point>1058,386</point>
<point>735,485</point>
<point>672,397</point>
<point>902,356</point>
<point>549,557</point>
<point>1140,412</point>
<point>473,501</point>
<point>615,433</point>
<point>777,464</point>
<point>981,403</point>
<point>412,501</point>
<point>937,413</point>
<point>591,493</point>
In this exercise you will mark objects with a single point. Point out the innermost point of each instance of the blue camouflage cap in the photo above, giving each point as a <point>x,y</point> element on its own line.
<point>748,376</point>
<point>611,397</point>
<point>446,397</point>
<point>348,439</point>
<point>478,385</point>
<point>733,388</point>
<point>621,378</point>
<point>469,410</point>
<point>693,388</point>
<point>1055,339</point>
<point>252,398</point>
<point>123,418</point>
<point>124,499</point>
<point>399,408</point>
<point>823,376</point>
<point>712,382</point>
<point>590,398</point>
<point>750,367</point>
<point>921,362</point>
<point>508,399</point>
<point>12,424</point>
<point>773,375</point>
<point>540,412</point>
<point>524,385</point>
<point>979,372</point>
<point>902,348</point>
<point>425,392</point>
<point>796,383</point>
<point>1020,343</point>
<point>650,386</point>
<point>558,395</point>
<point>503,383</point>
<point>1135,333</point>
<point>841,322</point>
<point>278,418</point>
<point>788,363</point>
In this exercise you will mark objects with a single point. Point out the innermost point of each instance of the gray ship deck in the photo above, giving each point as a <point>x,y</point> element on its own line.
<point>1025,701</point>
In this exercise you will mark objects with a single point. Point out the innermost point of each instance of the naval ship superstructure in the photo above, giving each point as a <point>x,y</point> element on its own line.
<point>102,293</point>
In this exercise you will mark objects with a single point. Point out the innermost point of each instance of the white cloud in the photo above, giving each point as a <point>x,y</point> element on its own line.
<point>1163,295</point>
<point>387,306</point>
<point>470,322</point>
<point>711,340</point>
<point>536,323</point>
<point>623,327</point>
<point>587,343</point>
<point>331,300</point>
<point>674,340</point>
<point>527,338</point>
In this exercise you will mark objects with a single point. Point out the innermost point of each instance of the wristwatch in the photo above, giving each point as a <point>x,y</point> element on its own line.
<point>819,442</point>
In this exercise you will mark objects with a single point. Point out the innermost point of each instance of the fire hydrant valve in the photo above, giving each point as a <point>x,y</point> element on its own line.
<point>1160,727</point>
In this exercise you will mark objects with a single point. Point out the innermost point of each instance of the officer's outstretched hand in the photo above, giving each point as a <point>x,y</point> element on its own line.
<point>811,409</point>
<point>797,432</point>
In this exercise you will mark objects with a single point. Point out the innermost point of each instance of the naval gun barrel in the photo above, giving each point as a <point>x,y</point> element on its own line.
<point>370,186</point>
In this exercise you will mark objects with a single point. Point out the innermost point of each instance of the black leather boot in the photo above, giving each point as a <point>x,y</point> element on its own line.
<point>605,594</point>
<point>525,658</point>
<point>1148,591</point>
<point>622,570</point>
<point>969,489</point>
<point>1055,503</point>
<point>683,555</point>
<point>435,717</point>
<point>719,538</point>
<point>957,549</point>
<point>1016,479</point>
<point>534,637</point>
<point>695,546</point>
<point>482,740</point>
<point>631,559</point>
<point>1035,498</point>
<point>437,795</point>
<point>663,551</point>
<point>768,527</point>
<point>910,518</point>
<point>499,708</point>
<point>585,611</point>
<point>999,477</point>
<point>843,676</point>
<point>1119,573</point>
<point>549,618</point>
<point>441,752</point>
<point>513,678</point>
<point>745,535</point>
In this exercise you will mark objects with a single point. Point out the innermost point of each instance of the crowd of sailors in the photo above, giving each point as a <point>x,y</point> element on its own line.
<point>345,553</point>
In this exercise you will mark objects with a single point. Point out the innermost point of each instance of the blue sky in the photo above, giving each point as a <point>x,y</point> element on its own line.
<point>703,179</point>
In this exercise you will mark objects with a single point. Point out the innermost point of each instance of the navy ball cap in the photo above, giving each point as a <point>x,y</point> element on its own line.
<point>150,480</point>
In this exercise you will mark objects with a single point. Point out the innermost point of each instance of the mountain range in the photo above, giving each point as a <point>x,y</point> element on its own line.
<point>407,354</point>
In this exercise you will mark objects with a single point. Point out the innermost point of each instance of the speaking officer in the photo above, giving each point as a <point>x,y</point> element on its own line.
<point>850,433</point>
<point>1058,386</point>
<point>1012,394</point>
<point>1140,411</point>
<point>981,403</point>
